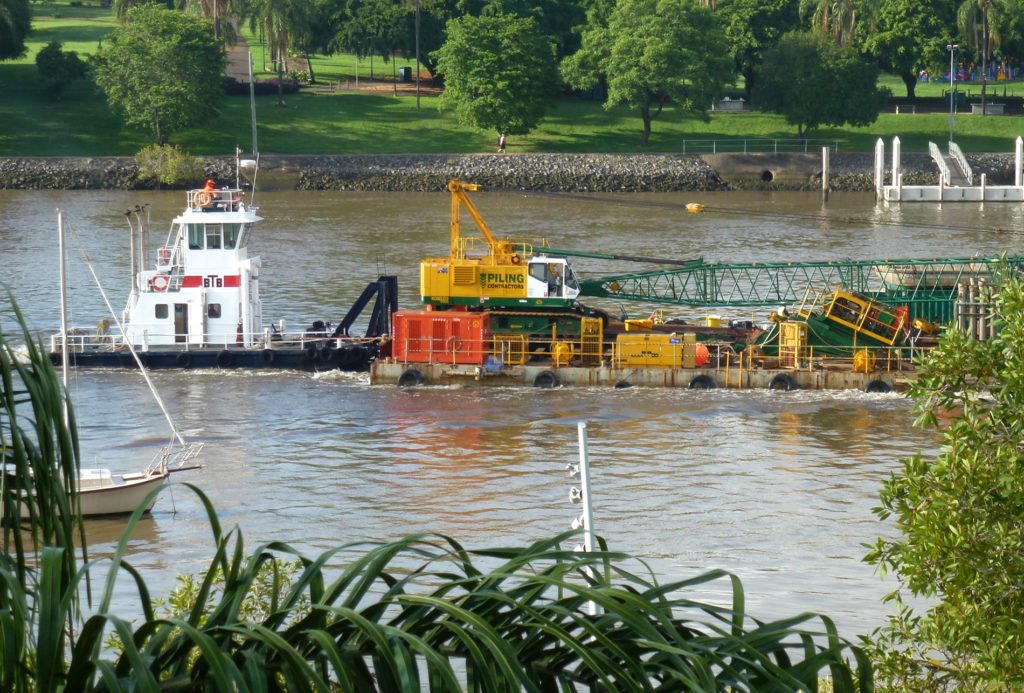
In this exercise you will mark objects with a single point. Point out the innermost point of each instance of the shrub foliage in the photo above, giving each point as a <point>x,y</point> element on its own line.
<point>960,518</point>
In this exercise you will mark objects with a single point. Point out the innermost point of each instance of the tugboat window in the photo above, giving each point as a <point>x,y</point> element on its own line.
<point>213,236</point>
<point>195,236</point>
<point>231,234</point>
<point>161,311</point>
<point>213,310</point>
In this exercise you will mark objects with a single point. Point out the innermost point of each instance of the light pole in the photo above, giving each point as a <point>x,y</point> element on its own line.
<point>951,47</point>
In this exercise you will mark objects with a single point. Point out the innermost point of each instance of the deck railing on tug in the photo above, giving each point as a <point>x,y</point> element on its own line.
<point>85,341</point>
<point>218,200</point>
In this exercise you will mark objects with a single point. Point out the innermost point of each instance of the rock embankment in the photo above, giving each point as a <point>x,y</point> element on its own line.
<point>851,171</point>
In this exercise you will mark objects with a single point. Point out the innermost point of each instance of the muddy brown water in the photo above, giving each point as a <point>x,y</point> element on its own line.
<point>777,488</point>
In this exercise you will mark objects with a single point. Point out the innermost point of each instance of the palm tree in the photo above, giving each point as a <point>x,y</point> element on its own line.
<point>836,19</point>
<point>986,24</point>
<point>275,18</point>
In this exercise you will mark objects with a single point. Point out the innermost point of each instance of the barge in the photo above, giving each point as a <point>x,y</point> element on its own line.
<point>509,312</point>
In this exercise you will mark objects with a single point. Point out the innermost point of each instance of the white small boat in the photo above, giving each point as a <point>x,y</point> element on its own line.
<point>99,491</point>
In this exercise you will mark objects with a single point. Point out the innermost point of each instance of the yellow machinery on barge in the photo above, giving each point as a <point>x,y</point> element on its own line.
<point>507,312</point>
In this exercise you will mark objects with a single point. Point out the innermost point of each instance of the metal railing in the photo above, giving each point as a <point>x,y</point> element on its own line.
<point>752,146</point>
<point>82,340</point>
<point>940,161</point>
<point>961,160</point>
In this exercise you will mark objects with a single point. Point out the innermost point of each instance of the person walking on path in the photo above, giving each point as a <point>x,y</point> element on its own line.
<point>501,143</point>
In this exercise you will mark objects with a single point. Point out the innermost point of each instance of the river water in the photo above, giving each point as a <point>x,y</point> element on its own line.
<point>777,488</point>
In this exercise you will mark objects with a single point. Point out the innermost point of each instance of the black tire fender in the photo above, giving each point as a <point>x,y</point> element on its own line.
<point>783,382</point>
<point>546,380</point>
<point>267,357</point>
<point>878,386</point>
<point>410,377</point>
<point>702,382</point>
<point>623,384</point>
<point>183,359</point>
<point>225,359</point>
<point>311,353</point>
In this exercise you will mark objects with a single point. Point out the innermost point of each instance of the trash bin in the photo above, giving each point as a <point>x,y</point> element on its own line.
<point>405,74</point>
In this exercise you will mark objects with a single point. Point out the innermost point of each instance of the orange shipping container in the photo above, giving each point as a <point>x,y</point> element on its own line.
<point>439,336</point>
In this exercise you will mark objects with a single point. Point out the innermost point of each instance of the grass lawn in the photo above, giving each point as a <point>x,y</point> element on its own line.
<point>362,122</point>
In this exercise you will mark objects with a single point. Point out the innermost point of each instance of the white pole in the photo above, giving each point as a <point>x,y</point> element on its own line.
<point>588,507</point>
<point>63,314</point>
<point>896,154</point>
<point>879,167</point>
<point>1018,171</point>
<point>952,77</point>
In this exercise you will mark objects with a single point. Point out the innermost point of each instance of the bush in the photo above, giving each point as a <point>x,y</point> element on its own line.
<point>57,69</point>
<point>168,165</point>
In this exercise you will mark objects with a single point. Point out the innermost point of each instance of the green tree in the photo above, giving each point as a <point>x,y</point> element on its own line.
<point>960,518</point>
<point>910,35</point>
<point>555,19</point>
<point>499,72</point>
<point>15,23</point>
<point>369,28</point>
<point>57,69</point>
<point>751,27</point>
<point>813,82</point>
<point>162,70</point>
<point>652,53</point>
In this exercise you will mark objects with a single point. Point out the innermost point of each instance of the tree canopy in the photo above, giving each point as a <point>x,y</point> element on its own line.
<point>15,23</point>
<point>162,70</point>
<point>910,35</point>
<point>753,26</point>
<point>652,53</point>
<point>500,72</point>
<point>812,82</point>
<point>960,518</point>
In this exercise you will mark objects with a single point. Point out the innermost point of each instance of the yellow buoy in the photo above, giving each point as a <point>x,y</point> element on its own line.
<point>694,207</point>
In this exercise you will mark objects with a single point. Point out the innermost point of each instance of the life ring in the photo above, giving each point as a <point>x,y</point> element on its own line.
<point>702,382</point>
<point>878,386</point>
<point>546,380</point>
<point>410,378</point>
<point>516,259</point>
<point>453,343</point>
<point>183,359</point>
<point>225,359</point>
<point>160,282</point>
<point>267,356</point>
<point>783,382</point>
<point>202,198</point>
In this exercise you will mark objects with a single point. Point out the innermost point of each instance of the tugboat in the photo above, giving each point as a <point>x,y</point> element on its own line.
<point>199,307</point>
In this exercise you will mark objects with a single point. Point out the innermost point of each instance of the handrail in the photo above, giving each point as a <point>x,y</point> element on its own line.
<point>958,156</point>
<point>744,145</point>
<point>940,161</point>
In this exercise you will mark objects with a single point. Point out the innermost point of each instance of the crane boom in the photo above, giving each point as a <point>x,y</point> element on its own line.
<point>772,283</point>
